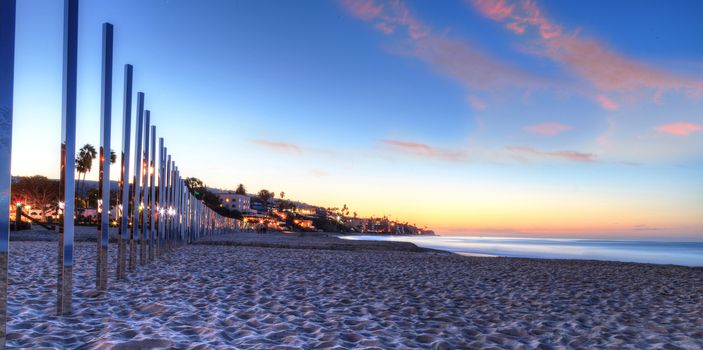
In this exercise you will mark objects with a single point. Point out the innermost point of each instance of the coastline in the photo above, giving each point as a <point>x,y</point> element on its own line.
<point>307,240</point>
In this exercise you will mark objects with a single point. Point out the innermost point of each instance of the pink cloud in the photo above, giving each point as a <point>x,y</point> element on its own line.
<point>680,128</point>
<point>279,146</point>
<point>607,103</point>
<point>363,9</point>
<point>476,103</point>
<point>562,154</point>
<point>425,151</point>
<point>605,69</point>
<point>473,68</point>
<point>515,28</point>
<point>385,27</point>
<point>493,9</point>
<point>548,129</point>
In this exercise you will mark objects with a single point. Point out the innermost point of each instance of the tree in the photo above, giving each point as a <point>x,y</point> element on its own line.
<point>84,161</point>
<point>285,205</point>
<point>196,187</point>
<point>283,194</point>
<point>265,196</point>
<point>38,191</point>
<point>92,196</point>
<point>241,190</point>
<point>213,202</point>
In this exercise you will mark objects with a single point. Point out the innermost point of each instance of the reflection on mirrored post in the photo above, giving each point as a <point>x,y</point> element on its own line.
<point>67,193</point>
<point>7,70</point>
<point>123,194</point>
<point>104,171</point>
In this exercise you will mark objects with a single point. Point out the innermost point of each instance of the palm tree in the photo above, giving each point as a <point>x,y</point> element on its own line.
<point>84,161</point>
<point>283,194</point>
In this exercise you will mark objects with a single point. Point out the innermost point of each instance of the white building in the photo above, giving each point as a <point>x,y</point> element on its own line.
<point>231,200</point>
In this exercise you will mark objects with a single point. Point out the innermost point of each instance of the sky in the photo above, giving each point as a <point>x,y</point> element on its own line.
<point>479,117</point>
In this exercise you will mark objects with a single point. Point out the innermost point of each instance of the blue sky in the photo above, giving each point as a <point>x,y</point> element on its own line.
<point>535,117</point>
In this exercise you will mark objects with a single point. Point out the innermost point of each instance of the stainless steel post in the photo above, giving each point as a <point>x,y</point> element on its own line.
<point>136,178</point>
<point>124,175</point>
<point>7,73</point>
<point>104,174</point>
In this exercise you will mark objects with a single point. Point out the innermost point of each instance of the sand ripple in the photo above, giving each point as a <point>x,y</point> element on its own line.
<point>219,297</point>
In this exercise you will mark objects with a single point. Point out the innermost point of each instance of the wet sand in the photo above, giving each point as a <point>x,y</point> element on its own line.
<point>224,296</point>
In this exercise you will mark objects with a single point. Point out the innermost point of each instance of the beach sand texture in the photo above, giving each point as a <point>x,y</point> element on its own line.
<point>220,297</point>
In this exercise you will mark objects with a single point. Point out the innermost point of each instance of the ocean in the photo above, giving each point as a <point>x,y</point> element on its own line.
<point>654,252</point>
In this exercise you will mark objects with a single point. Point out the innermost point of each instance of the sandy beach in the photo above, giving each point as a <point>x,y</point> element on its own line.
<point>227,294</point>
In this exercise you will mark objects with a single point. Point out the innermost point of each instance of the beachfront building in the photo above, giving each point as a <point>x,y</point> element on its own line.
<point>234,201</point>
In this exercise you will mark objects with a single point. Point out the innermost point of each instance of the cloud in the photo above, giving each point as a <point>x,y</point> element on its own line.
<point>385,27</point>
<point>604,138</point>
<point>425,151</point>
<point>605,69</point>
<point>679,128</point>
<point>459,60</point>
<point>364,9</point>
<point>515,28</point>
<point>476,103</point>
<point>645,228</point>
<point>548,129</point>
<point>524,152</point>
<point>607,103</point>
<point>279,146</point>
<point>494,9</point>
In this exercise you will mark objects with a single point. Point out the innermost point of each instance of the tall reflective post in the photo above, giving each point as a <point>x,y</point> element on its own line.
<point>7,74</point>
<point>136,178</point>
<point>167,196</point>
<point>67,193</point>
<point>152,193</point>
<point>160,200</point>
<point>145,190</point>
<point>123,194</point>
<point>104,174</point>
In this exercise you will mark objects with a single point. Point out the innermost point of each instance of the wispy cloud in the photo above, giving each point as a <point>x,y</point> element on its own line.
<point>494,9</point>
<point>476,103</point>
<point>526,152</point>
<point>425,151</point>
<point>604,68</point>
<point>607,103</point>
<point>679,128</point>
<point>548,129</point>
<point>604,138</point>
<point>458,59</point>
<point>279,146</point>
<point>364,9</point>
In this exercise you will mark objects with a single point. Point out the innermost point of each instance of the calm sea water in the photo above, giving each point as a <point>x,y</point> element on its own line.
<point>656,252</point>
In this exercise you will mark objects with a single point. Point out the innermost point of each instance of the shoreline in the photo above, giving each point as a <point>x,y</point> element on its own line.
<point>304,240</point>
